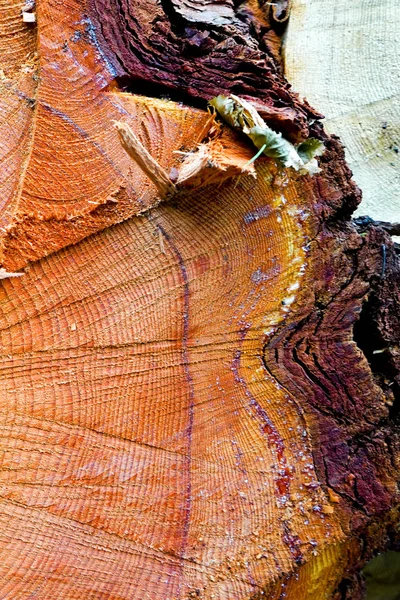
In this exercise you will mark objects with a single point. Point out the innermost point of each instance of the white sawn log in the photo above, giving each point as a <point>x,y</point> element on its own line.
<point>344,58</point>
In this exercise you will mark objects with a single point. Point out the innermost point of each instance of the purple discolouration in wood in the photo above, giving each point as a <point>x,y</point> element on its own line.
<point>275,441</point>
<point>186,362</point>
<point>355,440</point>
<point>261,212</point>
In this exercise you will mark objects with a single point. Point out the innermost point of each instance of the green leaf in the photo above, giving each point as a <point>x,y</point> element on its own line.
<point>228,110</point>
<point>241,115</point>
<point>275,146</point>
<point>309,149</point>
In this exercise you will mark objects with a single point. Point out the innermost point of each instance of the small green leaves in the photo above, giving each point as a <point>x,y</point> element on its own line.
<point>241,115</point>
<point>275,146</point>
<point>309,149</point>
<point>228,110</point>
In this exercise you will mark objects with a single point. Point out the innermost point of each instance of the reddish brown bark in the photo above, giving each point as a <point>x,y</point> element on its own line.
<point>197,50</point>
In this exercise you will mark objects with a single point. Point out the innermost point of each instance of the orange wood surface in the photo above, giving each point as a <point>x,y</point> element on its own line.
<point>147,450</point>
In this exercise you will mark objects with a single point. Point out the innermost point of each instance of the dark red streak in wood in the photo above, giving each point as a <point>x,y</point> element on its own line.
<point>189,380</point>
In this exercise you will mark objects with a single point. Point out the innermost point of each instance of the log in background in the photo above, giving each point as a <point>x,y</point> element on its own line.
<point>342,57</point>
<point>191,402</point>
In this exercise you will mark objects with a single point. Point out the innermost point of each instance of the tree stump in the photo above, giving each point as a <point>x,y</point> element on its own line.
<point>200,394</point>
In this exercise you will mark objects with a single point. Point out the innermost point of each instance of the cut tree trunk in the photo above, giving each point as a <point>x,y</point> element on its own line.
<point>200,393</point>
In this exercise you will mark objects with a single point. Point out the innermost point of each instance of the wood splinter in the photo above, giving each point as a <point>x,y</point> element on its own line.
<point>144,160</point>
<point>209,163</point>
<point>29,17</point>
<point>5,275</point>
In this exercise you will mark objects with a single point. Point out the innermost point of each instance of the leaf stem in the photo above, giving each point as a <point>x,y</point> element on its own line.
<point>261,150</point>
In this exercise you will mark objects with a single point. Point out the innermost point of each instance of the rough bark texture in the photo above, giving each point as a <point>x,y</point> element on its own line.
<point>200,397</point>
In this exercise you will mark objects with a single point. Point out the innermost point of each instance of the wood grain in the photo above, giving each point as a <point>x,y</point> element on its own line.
<point>136,404</point>
<point>187,408</point>
<point>343,58</point>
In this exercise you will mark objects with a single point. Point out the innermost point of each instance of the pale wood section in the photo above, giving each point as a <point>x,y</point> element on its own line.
<point>344,58</point>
